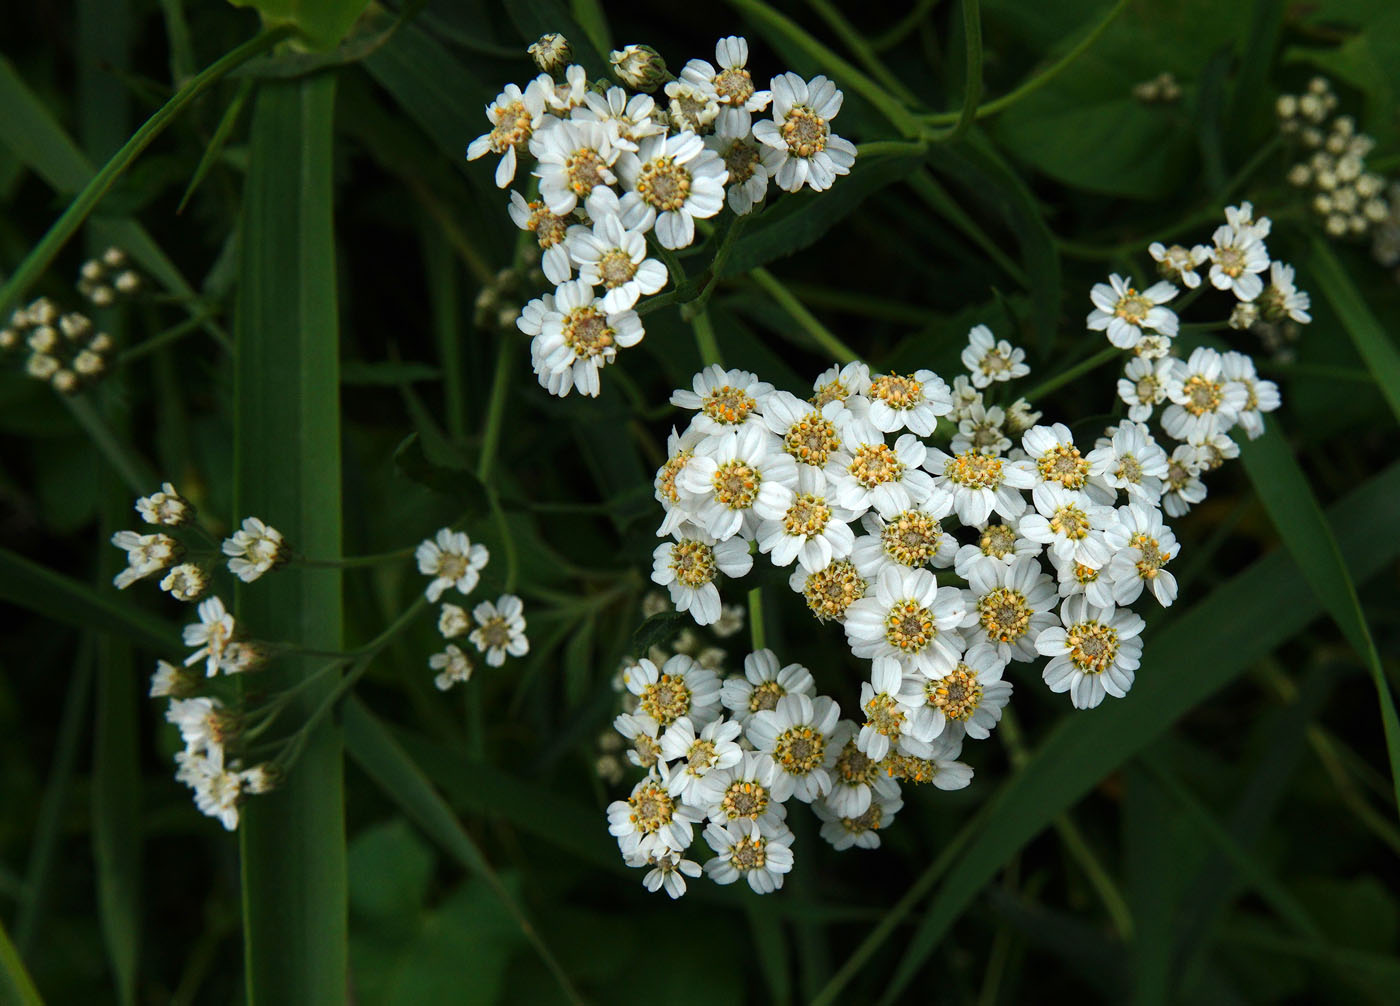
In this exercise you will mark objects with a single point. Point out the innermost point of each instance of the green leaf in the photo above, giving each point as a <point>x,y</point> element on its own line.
<point>1283,490</point>
<point>45,592</point>
<point>376,751</point>
<point>322,23</point>
<point>442,473</point>
<point>386,373</point>
<point>1173,679</point>
<point>15,984</point>
<point>658,630</point>
<point>287,471</point>
<point>791,224</point>
<point>1371,341</point>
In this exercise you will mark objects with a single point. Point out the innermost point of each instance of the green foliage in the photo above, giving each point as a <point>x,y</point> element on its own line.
<point>320,23</point>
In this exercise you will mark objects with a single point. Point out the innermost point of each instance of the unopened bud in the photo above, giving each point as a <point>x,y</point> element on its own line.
<point>640,67</point>
<point>552,52</point>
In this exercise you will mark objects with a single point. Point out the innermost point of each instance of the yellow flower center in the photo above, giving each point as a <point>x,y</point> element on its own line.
<point>734,87</point>
<point>1202,396</point>
<point>1070,521</point>
<point>741,158</point>
<point>896,391</point>
<point>830,591</point>
<point>1132,307</point>
<point>811,439</point>
<point>693,561</point>
<point>663,184</point>
<point>875,464</point>
<point>512,128</point>
<point>1092,646</point>
<point>998,541</point>
<point>974,470</point>
<point>1063,464</point>
<point>883,714</point>
<point>736,484</point>
<point>805,132</point>
<point>1005,615</point>
<point>729,406</point>
<point>807,516</point>
<point>909,626</point>
<point>666,699</point>
<point>616,268</point>
<point>587,333</point>
<point>911,538</point>
<point>584,169</point>
<point>744,799</point>
<point>853,766</point>
<point>652,808</point>
<point>766,696</point>
<point>799,750</point>
<point>957,693</point>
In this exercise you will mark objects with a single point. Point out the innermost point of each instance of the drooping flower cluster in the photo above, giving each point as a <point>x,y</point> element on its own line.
<point>496,629</point>
<point>623,177</point>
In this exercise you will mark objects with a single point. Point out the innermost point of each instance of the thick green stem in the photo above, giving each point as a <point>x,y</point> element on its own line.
<point>818,332</point>
<point>705,340</point>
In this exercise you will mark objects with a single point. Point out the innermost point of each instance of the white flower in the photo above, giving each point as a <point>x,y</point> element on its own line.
<point>167,680</point>
<point>909,620</point>
<point>800,129</point>
<point>1076,580</point>
<point>862,831</point>
<point>908,402</point>
<point>809,433</point>
<point>1056,458</point>
<point>632,118</point>
<point>856,778</point>
<point>1215,450</point>
<point>575,336</point>
<point>911,539</point>
<point>1008,605</point>
<point>742,849</point>
<point>736,479</point>
<point>638,66</point>
<point>1143,385</point>
<point>628,207</point>
<point>146,554</point>
<point>549,229</point>
<point>210,634</point>
<point>749,163</point>
<point>973,485</point>
<point>200,723</point>
<point>574,158</point>
<point>680,687</point>
<point>762,684</point>
<point>868,473</point>
<point>165,507</point>
<point>1281,299</point>
<point>837,383</point>
<point>731,84</point>
<point>514,116</point>
<point>1020,417</point>
<point>680,448</point>
<point>568,95</point>
<point>724,398</point>
<point>698,754</point>
<point>610,256</point>
<point>969,698</point>
<point>1094,654</point>
<point>1241,219</point>
<point>679,180</point>
<point>217,791</point>
<point>451,560</point>
<point>453,621</point>
<point>1142,545</point>
<point>185,582</point>
<point>651,821</point>
<point>1184,489</point>
<point>452,666</point>
<point>643,733</point>
<point>1068,522</point>
<point>965,396</point>
<point>1131,461</point>
<point>1178,263</point>
<point>745,792</point>
<point>254,549</point>
<point>1126,313</point>
<point>1204,402</point>
<point>830,591</point>
<point>1260,396</point>
<point>730,622</point>
<point>687,567</point>
<point>1237,259</point>
<point>890,722</point>
<point>939,767</point>
<point>668,872</point>
<point>812,530</point>
<point>500,629</point>
<point>988,360</point>
<point>693,106</point>
<point>796,734</point>
<point>997,545</point>
<point>982,430</point>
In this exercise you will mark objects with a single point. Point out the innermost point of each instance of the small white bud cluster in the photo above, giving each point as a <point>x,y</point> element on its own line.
<point>1348,199</point>
<point>109,276</point>
<point>65,350</point>
<point>1161,89</point>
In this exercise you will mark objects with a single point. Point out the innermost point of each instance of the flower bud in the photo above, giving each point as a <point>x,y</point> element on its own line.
<point>640,67</point>
<point>552,52</point>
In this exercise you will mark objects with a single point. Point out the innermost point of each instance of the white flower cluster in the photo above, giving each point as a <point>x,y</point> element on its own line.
<point>254,549</point>
<point>1208,394</point>
<point>732,753</point>
<point>620,175</point>
<point>497,629</point>
<point>64,349</point>
<point>103,279</point>
<point>1349,199</point>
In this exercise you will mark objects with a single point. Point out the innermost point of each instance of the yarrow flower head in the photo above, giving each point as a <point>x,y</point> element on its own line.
<point>1127,314</point>
<point>165,507</point>
<point>210,635</point>
<point>988,360</point>
<point>146,555</point>
<point>514,116</point>
<point>451,560</point>
<point>800,130</point>
<point>254,549</point>
<point>500,629</point>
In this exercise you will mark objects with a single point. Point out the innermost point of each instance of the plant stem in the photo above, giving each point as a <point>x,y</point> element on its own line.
<point>972,90</point>
<point>705,339</point>
<point>124,461</point>
<point>78,210</point>
<point>819,333</point>
<point>757,630</point>
<point>862,50</point>
<point>1065,376</point>
<point>490,447</point>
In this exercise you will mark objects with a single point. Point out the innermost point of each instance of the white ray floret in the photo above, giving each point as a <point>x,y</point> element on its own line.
<point>1094,654</point>
<point>813,530</point>
<point>514,116</point>
<point>1069,523</point>
<point>210,635</point>
<point>968,699</point>
<point>742,849</point>
<point>909,620</point>
<point>575,336</point>
<point>975,485</point>
<point>1143,546</point>
<point>679,181</point>
<point>254,549</point>
<point>697,754</point>
<point>450,558</point>
<point>796,734</point>
<point>1204,401</point>
<point>800,131</point>
<point>868,473</point>
<point>1127,314</point>
<point>988,360</point>
<point>737,479</point>
<point>723,399</point>
<point>679,687</point>
<point>1008,605</point>
<point>500,629</point>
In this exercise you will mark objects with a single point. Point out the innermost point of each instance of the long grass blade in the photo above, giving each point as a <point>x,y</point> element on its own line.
<point>1376,347</point>
<point>1173,678</point>
<point>376,751</point>
<point>15,984</point>
<point>287,470</point>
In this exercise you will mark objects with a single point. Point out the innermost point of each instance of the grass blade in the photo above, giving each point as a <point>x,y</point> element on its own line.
<point>287,470</point>
<point>376,751</point>
<point>15,984</point>
<point>1172,680</point>
<point>210,157</point>
<point>1283,490</point>
<point>1375,347</point>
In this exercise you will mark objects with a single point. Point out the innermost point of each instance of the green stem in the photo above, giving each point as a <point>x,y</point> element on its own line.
<point>1065,376</point>
<point>972,91</point>
<point>877,147</point>
<point>15,982</point>
<point>862,50</point>
<point>49,246</point>
<point>900,30</point>
<point>757,630</point>
<point>1040,79</point>
<point>373,559</point>
<point>162,339</point>
<point>819,333</point>
<point>495,413</point>
<point>705,339</point>
<point>133,469</point>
